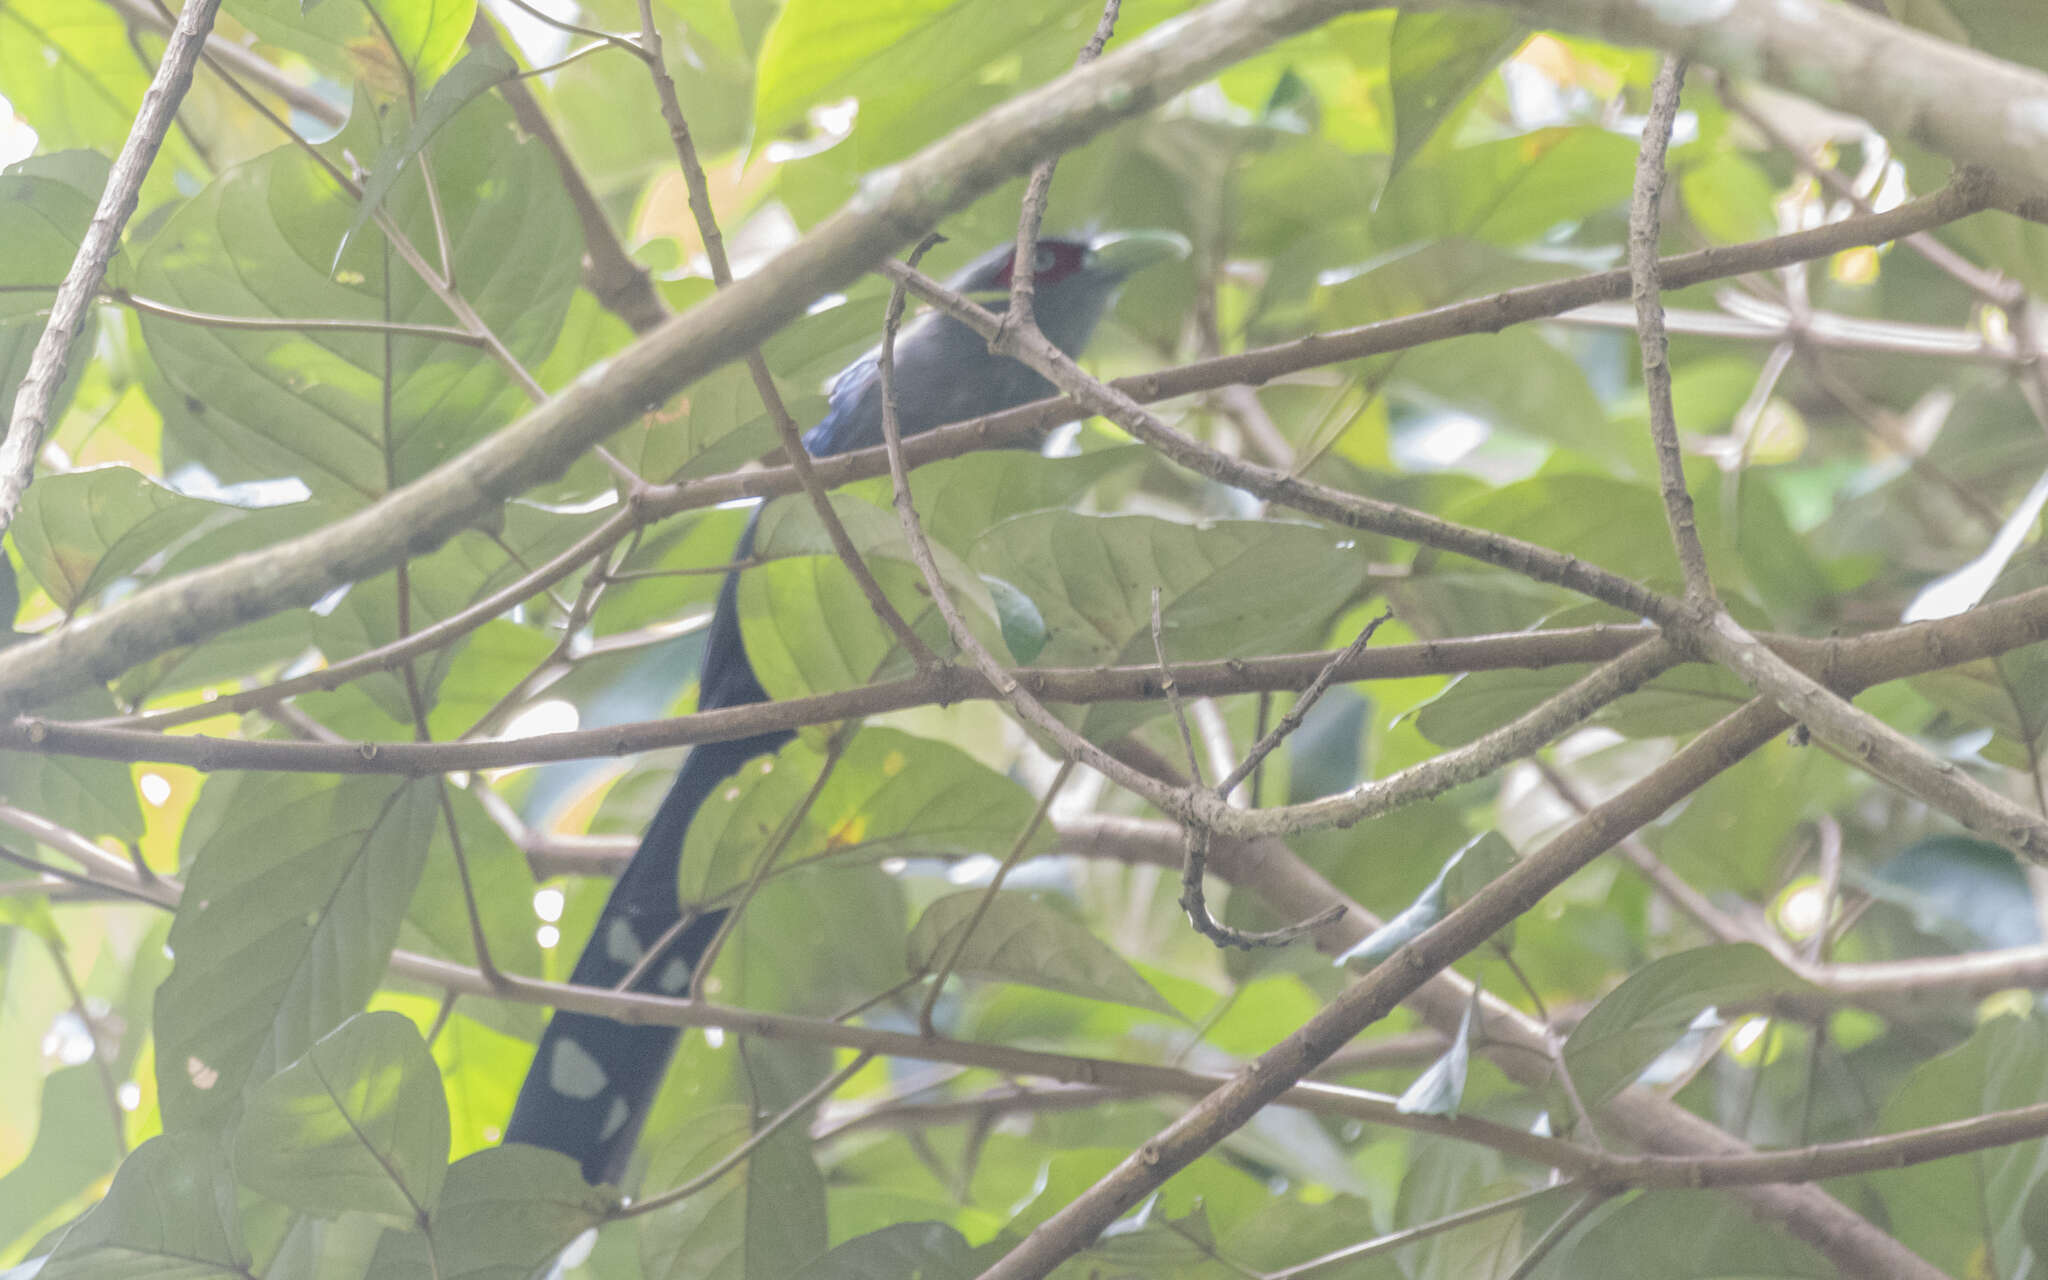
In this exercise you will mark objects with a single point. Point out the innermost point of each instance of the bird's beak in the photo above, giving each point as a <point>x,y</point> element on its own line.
<point>1124,253</point>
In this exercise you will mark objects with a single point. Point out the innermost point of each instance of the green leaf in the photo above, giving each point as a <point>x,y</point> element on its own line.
<point>73,75</point>
<point>1441,1087</point>
<point>1436,59</point>
<point>80,530</point>
<point>169,1215</point>
<point>764,1218</point>
<point>904,1251</point>
<point>385,42</point>
<point>1510,191</point>
<point>1957,1211</point>
<point>1229,589</point>
<point>296,887</point>
<point>507,1211</point>
<point>1970,893</point>
<point>1685,1235</point>
<point>1654,1007</point>
<point>1680,701</point>
<point>359,1123</point>
<point>1021,939</point>
<point>95,797</point>
<point>259,242</point>
<point>1023,625</point>
<point>483,67</point>
<point>45,205</point>
<point>1471,868</point>
<point>903,59</point>
<point>74,1149</point>
<point>890,794</point>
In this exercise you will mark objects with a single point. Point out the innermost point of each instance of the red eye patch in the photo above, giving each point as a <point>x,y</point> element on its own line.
<point>1056,260</point>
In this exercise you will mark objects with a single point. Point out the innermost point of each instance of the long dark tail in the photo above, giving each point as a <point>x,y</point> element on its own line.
<point>593,1079</point>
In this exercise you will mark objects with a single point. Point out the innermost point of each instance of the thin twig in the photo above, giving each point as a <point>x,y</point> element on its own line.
<point>1645,222</point>
<point>117,1115</point>
<point>1409,1235</point>
<point>765,862</point>
<point>37,394</point>
<point>793,448</point>
<point>945,968</point>
<point>1031,210</point>
<point>1299,711</point>
<point>818,1092</point>
<point>1558,1230</point>
<point>1172,692</point>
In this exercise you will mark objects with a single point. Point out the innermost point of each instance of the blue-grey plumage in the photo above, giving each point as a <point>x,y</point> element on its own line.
<point>593,1079</point>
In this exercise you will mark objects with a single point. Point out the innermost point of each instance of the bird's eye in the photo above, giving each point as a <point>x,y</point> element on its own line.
<point>1044,260</point>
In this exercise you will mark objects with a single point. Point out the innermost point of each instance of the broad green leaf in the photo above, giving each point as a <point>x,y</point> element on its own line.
<point>79,531</point>
<point>2007,694</point>
<point>95,797</point>
<point>1229,589</point>
<point>1654,1007</point>
<point>1734,831</point>
<point>790,527</point>
<point>1728,197</point>
<point>437,922</point>
<point>1021,939</point>
<point>889,794</point>
<point>1970,893</point>
<point>816,941</point>
<point>259,242</point>
<point>359,1123</point>
<point>1955,1211</point>
<point>169,1215</point>
<point>904,1251</point>
<point>958,499</point>
<point>764,1218</point>
<point>483,67</point>
<point>809,627</point>
<point>1684,1235</point>
<point>810,630</point>
<point>70,71</point>
<point>1620,527</point>
<point>390,43</point>
<point>506,1211</point>
<point>1507,192</point>
<point>45,206</point>
<point>899,59</point>
<point>74,1149</point>
<point>294,893</point>
<point>1519,381</point>
<point>473,564</point>
<point>1436,59</point>
<point>1222,586</point>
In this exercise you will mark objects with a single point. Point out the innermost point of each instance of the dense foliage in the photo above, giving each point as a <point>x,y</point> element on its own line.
<point>284,851</point>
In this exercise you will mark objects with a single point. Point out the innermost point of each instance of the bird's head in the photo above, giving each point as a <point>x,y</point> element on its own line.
<point>1072,277</point>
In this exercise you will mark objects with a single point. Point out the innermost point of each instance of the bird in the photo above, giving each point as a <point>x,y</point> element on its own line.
<point>592,1080</point>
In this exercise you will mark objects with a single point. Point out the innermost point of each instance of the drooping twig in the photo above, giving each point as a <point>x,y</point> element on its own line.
<point>37,396</point>
<point>793,449</point>
<point>944,968</point>
<point>1302,705</point>
<point>1031,210</point>
<point>1172,692</point>
<point>1645,224</point>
